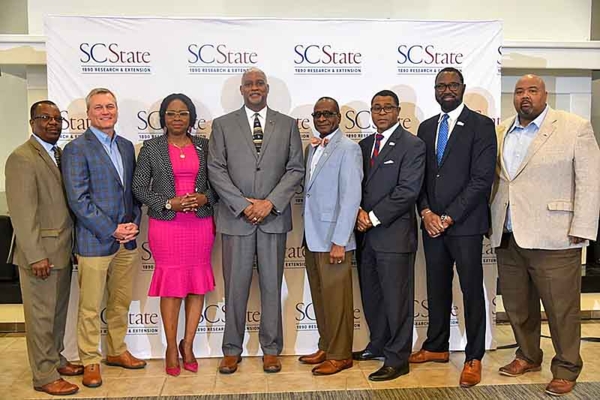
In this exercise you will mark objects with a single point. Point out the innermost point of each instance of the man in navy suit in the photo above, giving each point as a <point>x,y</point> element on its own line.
<point>331,202</point>
<point>394,165</point>
<point>97,170</point>
<point>461,158</point>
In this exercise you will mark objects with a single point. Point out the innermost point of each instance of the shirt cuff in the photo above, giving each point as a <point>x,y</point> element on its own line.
<point>374,220</point>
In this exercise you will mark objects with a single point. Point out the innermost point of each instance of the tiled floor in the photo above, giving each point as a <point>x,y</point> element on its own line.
<point>15,377</point>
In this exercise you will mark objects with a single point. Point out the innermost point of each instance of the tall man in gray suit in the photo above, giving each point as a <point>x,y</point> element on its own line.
<point>255,164</point>
<point>544,210</point>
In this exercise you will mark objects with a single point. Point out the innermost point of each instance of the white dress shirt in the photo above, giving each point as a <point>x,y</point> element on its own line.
<point>49,147</point>
<point>452,119</point>
<point>386,135</point>
<point>262,117</point>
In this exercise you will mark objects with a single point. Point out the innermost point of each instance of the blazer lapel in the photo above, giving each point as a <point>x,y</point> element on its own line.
<point>46,158</point>
<point>501,168</point>
<point>327,152</point>
<point>199,151</point>
<point>99,148</point>
<point>546,130</point>
<point>456,131</point>
<point>163,151</point>
<point>389,145</point>
<point>246,129</point>
<point>268,130</point>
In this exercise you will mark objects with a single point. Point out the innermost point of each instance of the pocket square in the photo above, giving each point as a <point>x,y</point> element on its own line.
<point>460,123</point>
<point>388,162</point>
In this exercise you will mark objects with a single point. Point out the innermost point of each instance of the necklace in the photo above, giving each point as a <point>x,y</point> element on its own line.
<point>180,148</point>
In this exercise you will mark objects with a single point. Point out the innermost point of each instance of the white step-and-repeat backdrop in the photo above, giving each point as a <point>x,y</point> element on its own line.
<point>144,59</point>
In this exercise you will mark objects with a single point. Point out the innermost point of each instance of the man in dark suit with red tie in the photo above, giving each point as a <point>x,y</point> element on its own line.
<point>394,165</point>
<point>461,158</point>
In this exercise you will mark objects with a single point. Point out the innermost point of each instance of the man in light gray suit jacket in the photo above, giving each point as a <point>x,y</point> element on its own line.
<point>544,208</point>
<point>255,164</point>
<point>331,203</point>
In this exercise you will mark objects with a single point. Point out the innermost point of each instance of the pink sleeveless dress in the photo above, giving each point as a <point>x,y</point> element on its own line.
<point>182,247</point>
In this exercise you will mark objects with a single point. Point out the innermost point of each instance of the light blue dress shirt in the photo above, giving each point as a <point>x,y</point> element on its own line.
<point>110,145</point>
<point>47,146</point>
<point>516,144</point>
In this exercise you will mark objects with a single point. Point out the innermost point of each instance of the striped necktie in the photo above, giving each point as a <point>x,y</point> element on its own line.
<point>57,155</point>
<point>257,134</point>
<point>378,139</point>
<point>442,138</point>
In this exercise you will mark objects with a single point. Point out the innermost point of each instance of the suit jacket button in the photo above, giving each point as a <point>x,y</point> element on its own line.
<point>258,168</point>
<point>308,195</point>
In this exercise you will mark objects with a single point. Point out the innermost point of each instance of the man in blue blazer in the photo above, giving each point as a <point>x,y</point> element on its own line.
<point>394,165</point>
<point>461,159</point>
<point>331,201</point>
<point>97,171</point>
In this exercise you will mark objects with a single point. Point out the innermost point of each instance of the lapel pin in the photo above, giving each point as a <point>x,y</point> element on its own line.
<point>391,143</point>
<point>460,123</point>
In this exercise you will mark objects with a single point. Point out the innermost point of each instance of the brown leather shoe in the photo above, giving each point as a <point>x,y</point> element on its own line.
<point>91,376</point>
<point>229,364</point>
<point>70,369</point>
<point>559,387</point>
<point>423,356</point>
<point>471,374</point>
<point>330,367</point>
<point>271,364</point>
<point>125,360</point>
<point>518,367</point>
<point>59,387</point>
<point>315,358</point>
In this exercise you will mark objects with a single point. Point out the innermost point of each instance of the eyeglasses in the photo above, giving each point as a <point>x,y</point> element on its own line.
<point>453,86</point>
<point>386,109</point>
<point>180,114</point>
<point>326,114</point>
<point>48,118</point>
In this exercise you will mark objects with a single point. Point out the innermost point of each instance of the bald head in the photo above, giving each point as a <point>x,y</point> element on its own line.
<point>254,89</point>
<point>529,98</point>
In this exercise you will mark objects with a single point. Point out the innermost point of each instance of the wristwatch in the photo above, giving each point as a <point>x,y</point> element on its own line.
<point>168,205</point>
<point>444,217</point>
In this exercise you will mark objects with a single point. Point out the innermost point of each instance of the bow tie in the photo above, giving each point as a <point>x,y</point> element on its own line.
<point>315,141</point>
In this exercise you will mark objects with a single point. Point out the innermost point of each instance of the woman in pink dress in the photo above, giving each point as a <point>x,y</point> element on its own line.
<point>171,179</point>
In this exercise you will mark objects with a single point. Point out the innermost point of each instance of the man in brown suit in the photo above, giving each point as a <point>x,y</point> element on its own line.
<point>43,229</point>
<point>544,208</point>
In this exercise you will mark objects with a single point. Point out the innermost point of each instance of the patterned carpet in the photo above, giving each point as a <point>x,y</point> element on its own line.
<point>583,391</point>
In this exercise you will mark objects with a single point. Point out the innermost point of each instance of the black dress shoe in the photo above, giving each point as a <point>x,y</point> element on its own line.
<point>387,373</point>
<point>365,355</point>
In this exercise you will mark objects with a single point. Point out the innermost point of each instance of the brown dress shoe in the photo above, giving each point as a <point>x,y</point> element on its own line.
<point>471,374</point>
<point>271,364</point>
<point>315,358</point>
<point>518,367</point>
<point>70,369</point>
<point>423,356</point>
<point>229,364</point>
<point>91,376</point>
<point>125,360</point>
<point>559,387</point>
<point>59,387</point>
<point>330,367</point>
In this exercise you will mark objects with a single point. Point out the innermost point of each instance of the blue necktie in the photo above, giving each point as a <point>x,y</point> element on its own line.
<point>442,138</point>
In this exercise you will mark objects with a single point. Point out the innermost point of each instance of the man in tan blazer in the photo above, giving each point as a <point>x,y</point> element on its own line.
<point>43,229</point>
<point>545,204</point>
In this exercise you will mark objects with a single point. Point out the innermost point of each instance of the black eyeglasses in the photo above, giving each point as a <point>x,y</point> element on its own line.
<point>180,114</point>
<point>386,109</point>
<point>326,114</point>
<point>453,86</point>
<point>48,118</point>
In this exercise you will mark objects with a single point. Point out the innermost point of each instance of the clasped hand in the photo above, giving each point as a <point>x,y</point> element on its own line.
<point>258,210</point>
<point>363,222</point>
<point>188,202</point>
<point>434,225</point>
<point>126,232</point>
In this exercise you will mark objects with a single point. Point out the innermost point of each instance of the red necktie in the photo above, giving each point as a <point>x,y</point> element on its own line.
<point>378,139</point>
